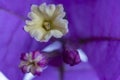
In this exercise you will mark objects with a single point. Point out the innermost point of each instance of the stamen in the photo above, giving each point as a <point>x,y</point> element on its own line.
<point>47,25</point>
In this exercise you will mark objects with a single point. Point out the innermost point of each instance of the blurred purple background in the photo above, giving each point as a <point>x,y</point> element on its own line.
<point>96,22</point>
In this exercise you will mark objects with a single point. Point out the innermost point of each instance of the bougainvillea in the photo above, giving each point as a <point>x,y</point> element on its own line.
<point>90,26</point>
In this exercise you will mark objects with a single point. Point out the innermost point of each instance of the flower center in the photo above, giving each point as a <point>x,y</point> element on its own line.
<point>46,25</point>
<point>32,63</point>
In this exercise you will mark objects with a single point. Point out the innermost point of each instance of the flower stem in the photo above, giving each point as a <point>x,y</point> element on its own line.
<point>61,70</point>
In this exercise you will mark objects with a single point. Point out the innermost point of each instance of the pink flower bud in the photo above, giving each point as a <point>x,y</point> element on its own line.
<point>71,56</point>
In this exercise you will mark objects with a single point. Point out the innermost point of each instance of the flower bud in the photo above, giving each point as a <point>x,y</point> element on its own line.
<point>71,56</point>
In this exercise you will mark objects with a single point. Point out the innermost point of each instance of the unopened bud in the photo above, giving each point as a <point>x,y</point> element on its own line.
<point>71,56</point>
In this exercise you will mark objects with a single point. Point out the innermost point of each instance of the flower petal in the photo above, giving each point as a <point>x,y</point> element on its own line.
<point>47,10</point>
<point>56,33</point>
<point>61,24</point>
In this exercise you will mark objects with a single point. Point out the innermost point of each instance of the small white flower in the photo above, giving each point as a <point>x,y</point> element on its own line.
<point>46,22</point>
<point>34,62</point>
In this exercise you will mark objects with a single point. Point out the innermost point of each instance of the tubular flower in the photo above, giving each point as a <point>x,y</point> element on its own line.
<point>46,22</point>
<point>34,62</point>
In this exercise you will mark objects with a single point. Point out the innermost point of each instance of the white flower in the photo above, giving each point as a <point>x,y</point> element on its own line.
<point>34,62</point>
<point>46,22</point>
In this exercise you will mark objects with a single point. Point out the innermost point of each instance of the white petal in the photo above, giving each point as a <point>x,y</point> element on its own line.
<point>28,22</point>
<point>38,58</point>
<point>59,11</point>
<point>39,69</point>
<point>46,37</point>
<point>61,24</point>
<point>56,33</point>
<point>35,10</point>
<point>22,63</point>
<point>48,11</point>
<point>38,34</point>
<point>32,15</point>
